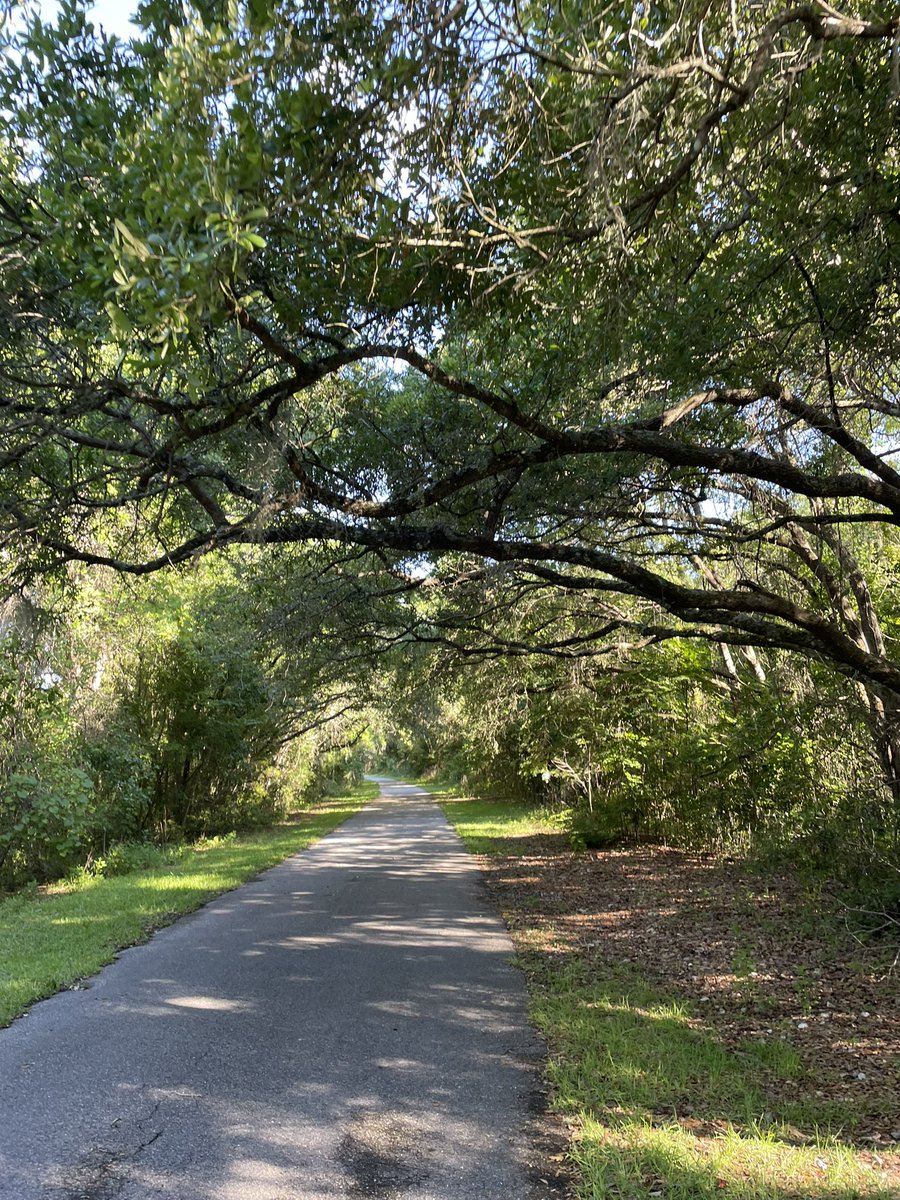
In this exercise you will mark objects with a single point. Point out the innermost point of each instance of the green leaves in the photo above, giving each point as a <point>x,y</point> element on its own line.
<point>632,265</point>
<point>128,245</point>
<point>122,327</point>
<point>44,820</point>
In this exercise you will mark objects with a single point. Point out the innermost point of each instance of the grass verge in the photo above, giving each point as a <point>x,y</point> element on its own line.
<point>658,1104</point>
<point>50,940</point>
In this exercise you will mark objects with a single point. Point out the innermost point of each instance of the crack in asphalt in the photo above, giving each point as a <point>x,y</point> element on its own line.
<point>99,1174</point>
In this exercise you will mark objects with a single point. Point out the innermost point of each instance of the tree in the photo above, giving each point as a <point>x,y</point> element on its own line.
<point>602,299</point>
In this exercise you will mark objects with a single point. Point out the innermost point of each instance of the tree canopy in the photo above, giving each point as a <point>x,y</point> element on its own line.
<point>594,300</point>
<point>519,381</point>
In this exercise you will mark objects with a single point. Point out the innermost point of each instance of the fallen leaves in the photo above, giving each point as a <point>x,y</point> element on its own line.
<point>751,955</point>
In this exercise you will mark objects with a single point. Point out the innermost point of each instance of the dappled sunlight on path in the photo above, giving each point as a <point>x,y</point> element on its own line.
<point>348,1024</point>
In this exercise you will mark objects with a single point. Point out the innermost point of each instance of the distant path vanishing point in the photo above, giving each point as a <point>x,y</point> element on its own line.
<point>347,1025</point>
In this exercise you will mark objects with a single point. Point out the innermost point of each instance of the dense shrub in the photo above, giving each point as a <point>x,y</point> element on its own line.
<point>45,821</point>
<point>772,756</point>
<point>120,767</point>
<point>200,699</point>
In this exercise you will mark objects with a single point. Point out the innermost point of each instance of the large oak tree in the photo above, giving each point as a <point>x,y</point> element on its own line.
<point>595,298</point>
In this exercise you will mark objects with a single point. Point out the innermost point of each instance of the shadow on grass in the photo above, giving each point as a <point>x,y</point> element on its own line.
<point>506,827</point>
<point>666,1109</point>
<point>664,1163</point>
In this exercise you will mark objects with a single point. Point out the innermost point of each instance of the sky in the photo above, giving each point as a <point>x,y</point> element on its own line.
<point>113,15</point>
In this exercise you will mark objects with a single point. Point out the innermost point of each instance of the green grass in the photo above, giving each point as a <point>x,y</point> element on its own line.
<point>661,1105</point>
<point>497,826</point>
<point>52,939</point>
<point>658,1105</point>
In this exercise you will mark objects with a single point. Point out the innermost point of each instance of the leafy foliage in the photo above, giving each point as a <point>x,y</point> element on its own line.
<point>142,715</point>
<point>506,331</point>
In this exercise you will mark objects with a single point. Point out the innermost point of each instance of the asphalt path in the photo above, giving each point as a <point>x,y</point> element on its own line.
<point>349,1024</point>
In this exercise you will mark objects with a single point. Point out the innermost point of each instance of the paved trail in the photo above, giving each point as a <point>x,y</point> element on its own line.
<point>347,1025</point>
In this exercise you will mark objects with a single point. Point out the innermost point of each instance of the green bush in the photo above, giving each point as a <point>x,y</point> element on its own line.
<point>45,822</point>
<point>121,769</point>
<point>666,745</point>
<point>608,822</point>
<point>201,699</point>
